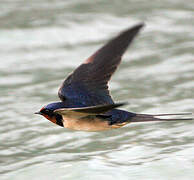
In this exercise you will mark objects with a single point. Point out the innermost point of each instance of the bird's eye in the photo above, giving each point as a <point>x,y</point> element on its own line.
<point>46,110</point>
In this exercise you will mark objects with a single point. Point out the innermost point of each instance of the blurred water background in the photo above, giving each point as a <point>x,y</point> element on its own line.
<point>42,41</point>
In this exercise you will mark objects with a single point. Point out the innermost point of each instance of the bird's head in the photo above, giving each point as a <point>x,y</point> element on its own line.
<point>48,112</point>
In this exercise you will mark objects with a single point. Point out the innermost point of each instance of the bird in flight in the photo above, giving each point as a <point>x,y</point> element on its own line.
<point>86,104</point>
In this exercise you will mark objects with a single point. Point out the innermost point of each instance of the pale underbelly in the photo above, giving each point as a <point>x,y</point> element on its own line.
<point>84,124</point>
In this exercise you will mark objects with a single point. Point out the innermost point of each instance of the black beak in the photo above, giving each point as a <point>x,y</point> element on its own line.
<point>38,113</point>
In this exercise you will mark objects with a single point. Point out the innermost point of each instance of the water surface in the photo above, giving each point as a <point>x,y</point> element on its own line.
<point>42,41</point>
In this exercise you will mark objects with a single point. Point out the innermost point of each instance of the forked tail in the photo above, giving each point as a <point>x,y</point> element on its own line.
<point>156,117</point>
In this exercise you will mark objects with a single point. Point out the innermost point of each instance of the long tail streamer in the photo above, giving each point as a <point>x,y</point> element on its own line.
<point>154,117</point>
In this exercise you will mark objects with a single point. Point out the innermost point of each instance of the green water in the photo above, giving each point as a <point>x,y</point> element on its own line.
<point>42,41</point>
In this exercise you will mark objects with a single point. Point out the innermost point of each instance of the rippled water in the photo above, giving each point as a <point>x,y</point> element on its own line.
<point>42,41</point>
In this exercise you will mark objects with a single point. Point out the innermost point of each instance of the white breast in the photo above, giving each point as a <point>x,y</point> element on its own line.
<point>86,124</point>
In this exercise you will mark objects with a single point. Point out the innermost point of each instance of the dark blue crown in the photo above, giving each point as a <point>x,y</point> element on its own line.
<point>55,105</point>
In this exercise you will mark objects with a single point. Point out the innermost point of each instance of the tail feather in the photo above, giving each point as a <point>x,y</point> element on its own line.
<point>151,117</point>
<point>177,114</point>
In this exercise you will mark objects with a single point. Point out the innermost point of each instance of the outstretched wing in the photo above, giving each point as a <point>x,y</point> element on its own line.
<point>85,111</point>
<point>88,83</point>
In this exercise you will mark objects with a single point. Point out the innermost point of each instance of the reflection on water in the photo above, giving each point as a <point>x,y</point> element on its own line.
<point>41,42</point>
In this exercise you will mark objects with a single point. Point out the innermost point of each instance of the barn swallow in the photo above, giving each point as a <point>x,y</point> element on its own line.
<point>86,104</point>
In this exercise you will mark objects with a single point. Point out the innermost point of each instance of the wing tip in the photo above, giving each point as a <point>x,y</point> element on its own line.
<point>137,27</point>
<point>140,25</point>
<point>120,104</point>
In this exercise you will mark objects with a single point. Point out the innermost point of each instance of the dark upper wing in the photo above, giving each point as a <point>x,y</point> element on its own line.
<point>91,110</point>
<point>88,83</point>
